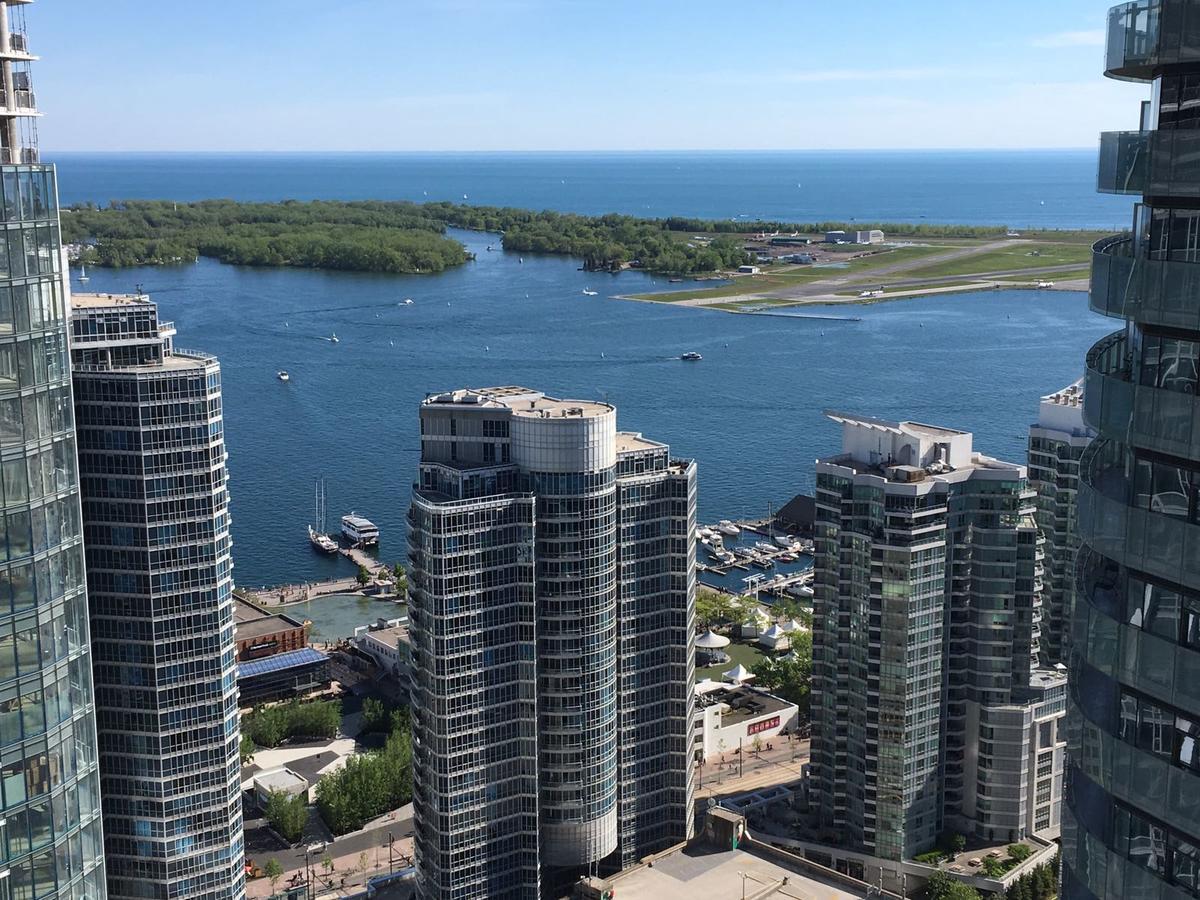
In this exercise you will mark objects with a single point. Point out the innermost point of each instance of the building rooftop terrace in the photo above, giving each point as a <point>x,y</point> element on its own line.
<point>521,401</point>
<point>107,301</point>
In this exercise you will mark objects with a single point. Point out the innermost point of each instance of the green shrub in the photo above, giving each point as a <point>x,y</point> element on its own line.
<point>287,814</point>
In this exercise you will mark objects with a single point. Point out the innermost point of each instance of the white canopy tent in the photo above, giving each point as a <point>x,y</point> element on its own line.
<point>738,674</point>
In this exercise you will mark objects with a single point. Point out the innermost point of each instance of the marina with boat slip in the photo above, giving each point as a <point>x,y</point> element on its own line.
<point>752,556</point>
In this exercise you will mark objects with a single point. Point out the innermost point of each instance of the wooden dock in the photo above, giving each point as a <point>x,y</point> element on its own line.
<point>361,557</point>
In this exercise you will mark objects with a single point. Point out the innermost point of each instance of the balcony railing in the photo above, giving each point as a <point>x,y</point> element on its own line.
<point>1146,34</point>
<point>1144,416</point>
<point>1138,538</point>
<point>1149,291</point>
<point>20,99</point>
<point>1133,39</point>
<point>1123,162</point>
<point>1108,389</point>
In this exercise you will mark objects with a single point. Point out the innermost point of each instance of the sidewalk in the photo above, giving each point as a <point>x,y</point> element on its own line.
<point>768,768</point>
<point>368,845</point>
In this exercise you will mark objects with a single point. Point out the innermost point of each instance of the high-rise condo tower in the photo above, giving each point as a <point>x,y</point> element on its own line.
<point>50,831</point>
<point>1056,442</point>
<point>156,526</point>
<point>552,605</point>
<point>1131,827</point>
<point>930,711</point>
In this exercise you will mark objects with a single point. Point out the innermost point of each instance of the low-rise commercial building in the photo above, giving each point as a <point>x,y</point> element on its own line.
<point>282,675</point>
<point>872,236</point>
<point>387,643</point>
<point>279,781</point>
<point>259,633</point>
<point>732,716</point>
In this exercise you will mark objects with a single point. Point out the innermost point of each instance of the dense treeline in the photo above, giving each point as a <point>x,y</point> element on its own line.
<point>269,726</point>
<point>406,237</point>
<point>368,785</point>
<point>365,237</point>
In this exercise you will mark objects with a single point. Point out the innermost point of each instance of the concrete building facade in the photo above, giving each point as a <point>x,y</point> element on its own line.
<point>552,607</point>
<point>156,528</point>
<point>929,709</point>
<point>1131,827</point>
<point>1056,444</point>
<point>51,842</point>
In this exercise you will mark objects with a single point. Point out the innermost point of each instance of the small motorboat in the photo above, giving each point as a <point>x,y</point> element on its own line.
<point>282,375</point>
<point>727,527</point>
<point>334,339</point>
<point>407,301</point>
<point>691,356</point>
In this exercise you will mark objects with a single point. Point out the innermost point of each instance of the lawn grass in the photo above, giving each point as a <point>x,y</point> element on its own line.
<point>1050,276</point>
<point>748,654</point>
<point>1018,256</point>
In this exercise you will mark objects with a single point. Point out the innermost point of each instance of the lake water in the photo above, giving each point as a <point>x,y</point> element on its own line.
<point>1018,188</point>
<point>750,412</point>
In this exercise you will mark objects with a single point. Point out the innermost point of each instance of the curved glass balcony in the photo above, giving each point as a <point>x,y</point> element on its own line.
<point>1108,388</point>
<point>1142,416</point>
<point>1123,162</point>
<point>1145,35</point>
<point>1153,163</point>
<point>1149,291</point>
<point>1143,539</point>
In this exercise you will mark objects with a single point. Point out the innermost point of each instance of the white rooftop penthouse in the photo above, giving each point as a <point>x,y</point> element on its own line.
<point>910,452</point>
<point>875,442</point>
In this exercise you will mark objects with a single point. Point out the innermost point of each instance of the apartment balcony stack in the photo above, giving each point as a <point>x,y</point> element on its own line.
<point>19,114</point>
<point>1131,824</point>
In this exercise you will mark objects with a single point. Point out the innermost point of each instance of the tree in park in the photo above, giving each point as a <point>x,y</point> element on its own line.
<point>274,871</point>
<point>943,887</point>
<point>287,814</point>
<point>363,577</point>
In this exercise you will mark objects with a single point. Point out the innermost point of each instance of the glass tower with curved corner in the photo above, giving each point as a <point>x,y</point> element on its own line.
<point>552,607</point>
<point>1132,817</point>
<point>50,832</point>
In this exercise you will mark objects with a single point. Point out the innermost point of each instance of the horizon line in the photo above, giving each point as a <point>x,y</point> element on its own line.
<point>288,152</point>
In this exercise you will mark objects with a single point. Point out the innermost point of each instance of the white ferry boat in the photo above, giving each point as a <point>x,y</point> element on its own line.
<point>359,530</point>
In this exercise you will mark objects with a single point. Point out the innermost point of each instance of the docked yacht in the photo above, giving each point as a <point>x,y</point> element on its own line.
<point>322,542</point>
<point>727,527</point>
<point>316,532</point>
<point>359,530</point>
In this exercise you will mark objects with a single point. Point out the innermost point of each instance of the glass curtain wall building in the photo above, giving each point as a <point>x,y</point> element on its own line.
<point>930,711</point>
<point>1132,821</point>
<point>1056,444</point>
<point>552,605</point>
<point>156,527</point>
<point>50,831</point>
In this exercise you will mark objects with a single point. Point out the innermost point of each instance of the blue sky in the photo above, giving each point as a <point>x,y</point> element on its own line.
<point>572,74</point>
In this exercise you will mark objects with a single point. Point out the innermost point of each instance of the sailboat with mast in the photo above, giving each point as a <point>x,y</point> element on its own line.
<point>83,275</point>
<point>316,533</point>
